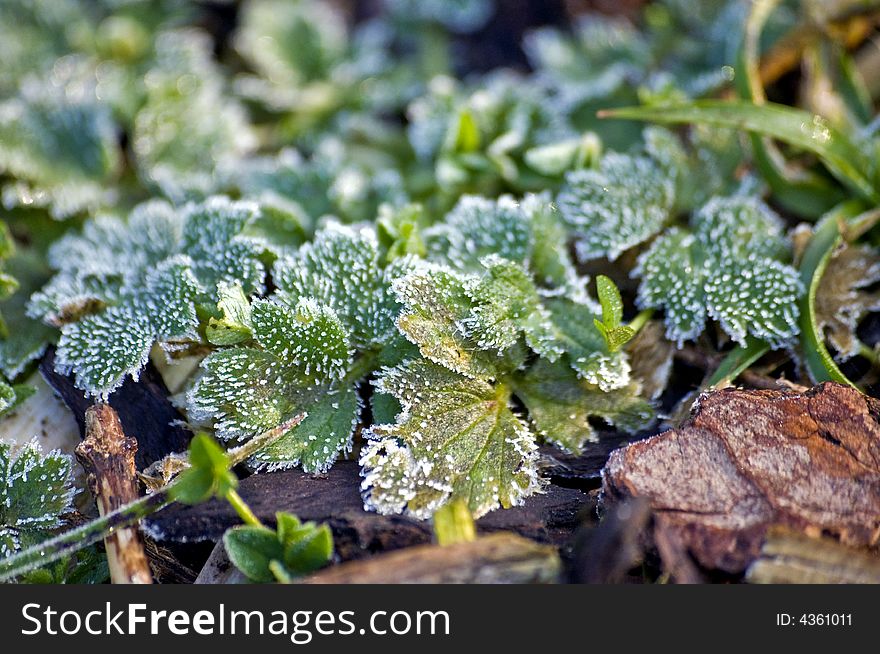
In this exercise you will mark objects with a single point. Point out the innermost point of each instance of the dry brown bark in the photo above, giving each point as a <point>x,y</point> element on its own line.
<point>747,460</point>
<point>108,457</point>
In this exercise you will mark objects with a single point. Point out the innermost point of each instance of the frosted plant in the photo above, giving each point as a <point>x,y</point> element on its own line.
<point>187,125</point>
<point>456,434</point>
<point>504,246</point>
<point>35,493</point>
<point>623,203</point>
<point>486,138</point>
<point>122,286</point>
<point>60,145</point>
<point>727,267</point>
<point>328,325</point>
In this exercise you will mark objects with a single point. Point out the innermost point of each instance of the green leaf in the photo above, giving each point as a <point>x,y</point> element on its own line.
<point>35,492</point>
<point>622,204</point>
<point>801,129</point>
<point>506,305</point>
<point>825,240</point>
<point>615,334</point>
<point>208,475</point>
<point>456,438</point>
<point>307,546</point>
<point>340,269</point>
<point>728,269</point>
<point>434,304</point>
<point>292,550</point>
<point>560,405</point>
<point>252,549</point>
<point>234,325</point>
<point>477,227</point>
<point>304,355</point>
<point>587,351</point>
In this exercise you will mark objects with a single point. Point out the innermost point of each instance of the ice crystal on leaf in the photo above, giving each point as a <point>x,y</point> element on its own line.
<point>124,285</point>
<point>623,203</point>
<point>328,324</point>
<point>455,437</point>
<point>296,364</point>
<point>560,405</point>
<point>35,492</point>
<point>729,268</point>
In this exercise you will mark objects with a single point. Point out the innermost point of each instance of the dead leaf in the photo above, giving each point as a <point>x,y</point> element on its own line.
<point>842,299</point>
<point>747,460</point>
<point>651,354</point>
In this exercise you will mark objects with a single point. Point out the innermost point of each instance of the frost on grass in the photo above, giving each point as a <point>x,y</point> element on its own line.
<point>35,492</point>
<point>456,437</point>
<point>124,285</point>
<point>728,267</point>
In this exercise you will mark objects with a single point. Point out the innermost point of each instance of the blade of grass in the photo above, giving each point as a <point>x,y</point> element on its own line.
<point>799,128</point>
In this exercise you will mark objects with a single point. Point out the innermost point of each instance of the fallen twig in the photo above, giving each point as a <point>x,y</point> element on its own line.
<point>108,457</point>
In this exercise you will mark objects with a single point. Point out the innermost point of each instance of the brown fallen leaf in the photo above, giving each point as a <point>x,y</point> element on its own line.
<point>844,296</point>
<point>747,460</point>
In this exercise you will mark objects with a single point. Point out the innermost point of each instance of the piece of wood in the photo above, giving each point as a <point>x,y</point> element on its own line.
<point>747,460</point>
<point>108,457</point>
<point>334,498</point>
<point>142,406</point>
<point>789,557</point>
<point>501,558</point>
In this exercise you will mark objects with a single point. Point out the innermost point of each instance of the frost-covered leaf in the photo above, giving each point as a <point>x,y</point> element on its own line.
<point>728,269</point>
<point>586,350</point>
<point>35,492</point>
<point>673,279</point>
<point>60,145</point>
<point>477,227</point>
<point>456,438</point>
<point>434,305</point>
<point>755,297</point>
<point>187,125</point>
<point>845,296</point>
<point>104,348</point>
<point>124,285</point>
<point>304,353</point>
<point>341,269</point>
<point>506,305</point>
<point>560,405</point>
<point>623,203</point>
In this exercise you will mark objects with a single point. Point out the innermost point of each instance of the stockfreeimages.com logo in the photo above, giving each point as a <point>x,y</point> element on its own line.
<point>299,626</point>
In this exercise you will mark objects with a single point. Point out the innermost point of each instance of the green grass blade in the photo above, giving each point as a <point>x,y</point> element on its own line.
<point>797,128</point>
